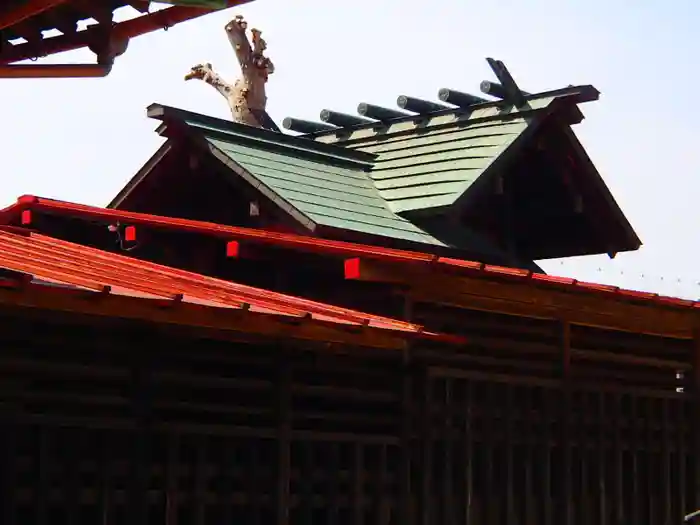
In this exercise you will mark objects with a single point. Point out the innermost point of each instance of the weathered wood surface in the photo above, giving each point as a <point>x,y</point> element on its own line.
<point>246,97</point>
<point>132,425</point>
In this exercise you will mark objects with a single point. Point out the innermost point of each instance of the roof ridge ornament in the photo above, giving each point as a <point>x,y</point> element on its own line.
<point>246,97</point>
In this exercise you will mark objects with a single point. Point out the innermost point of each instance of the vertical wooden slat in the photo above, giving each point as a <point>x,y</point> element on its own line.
<point>546,464</point>
<point>199,502</point>
<point>566,471</point>
<point>406,513</point>
<point>71,482</point>
<point>529,438</point>
<point>43,480</point>
<point>284,428</point>
<point>509,444</point>
<point>696,417</point>
<point>358,492</point>
<point>406,382</point>
<point>583,511</point>
<point>665,494</point>
<point>650,446</point>
<point>602,460</point>
<point>138,502</point>
<point>468,452</point>
<point>489,495</point>
<point>448,457</point>
<point>331,471</point>
<point>427,446</point>
<point>255,489</point>
<point>307,482</point>
<point>617,467</point>
<point>105,474</point>
<point>8,463</point>
<point>635,433</point>
<point>172,480</point>
<point>383,497</point>
<point>681,436</point>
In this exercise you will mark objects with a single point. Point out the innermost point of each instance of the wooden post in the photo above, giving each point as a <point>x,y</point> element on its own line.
<point>199,495</point>
<point>42,482</point>
<point>566,471</point>
<point>358,490</point>
<point>8,463</point>
<point>427,511</point>
<point>695,389</point>
<point>468,452</point>
<point>448,500</point>
<point>617,466</point>
<point>405,500</point>
<point>510,511</point>
<point>602,469</point>
<point>681,423</point>
<point>172,482</point>
<point>667,498</point>
<point>138,503</point>
<point>284,425</point>
<point>635,434</point>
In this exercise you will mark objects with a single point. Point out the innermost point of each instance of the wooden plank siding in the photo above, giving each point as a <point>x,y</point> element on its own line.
<point>134,424</point>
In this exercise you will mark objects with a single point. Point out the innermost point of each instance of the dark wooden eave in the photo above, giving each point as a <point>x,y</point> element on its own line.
<point>30,19</point>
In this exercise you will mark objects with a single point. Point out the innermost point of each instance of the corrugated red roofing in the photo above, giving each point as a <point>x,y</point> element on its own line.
<point>337,248</point>
<point>62,262</point>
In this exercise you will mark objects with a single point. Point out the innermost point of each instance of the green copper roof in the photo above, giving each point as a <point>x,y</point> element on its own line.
<point>368,178</point>
<point>328,195</point>
<point>423,164</point>
<point>320,185</point>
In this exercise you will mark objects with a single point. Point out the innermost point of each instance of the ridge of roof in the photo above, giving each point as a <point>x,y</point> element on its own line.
<point>240,132</point>
<point>578,94</point>
<point>337,248</point>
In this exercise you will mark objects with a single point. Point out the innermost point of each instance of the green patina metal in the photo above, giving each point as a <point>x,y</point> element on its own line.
<point>427,179</point>
<point>422,164</point>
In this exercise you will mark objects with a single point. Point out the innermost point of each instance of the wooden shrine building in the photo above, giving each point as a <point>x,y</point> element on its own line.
<point>344,326</point>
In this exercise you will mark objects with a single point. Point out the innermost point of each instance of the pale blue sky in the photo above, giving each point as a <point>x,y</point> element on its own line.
<point>81,140</point>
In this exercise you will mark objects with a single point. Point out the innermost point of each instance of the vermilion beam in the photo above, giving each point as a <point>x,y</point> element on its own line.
<point>54,71</point>
<point>131,28</point>
<point>29,9</point>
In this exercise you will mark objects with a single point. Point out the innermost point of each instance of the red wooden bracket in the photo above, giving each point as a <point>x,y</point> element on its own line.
<point>130,233</point>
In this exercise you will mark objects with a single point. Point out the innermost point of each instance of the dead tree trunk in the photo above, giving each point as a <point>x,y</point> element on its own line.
<point>246,97</point>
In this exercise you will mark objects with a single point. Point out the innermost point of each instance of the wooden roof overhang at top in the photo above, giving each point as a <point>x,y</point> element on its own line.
<point>424,277</point>
<point>29,19</point>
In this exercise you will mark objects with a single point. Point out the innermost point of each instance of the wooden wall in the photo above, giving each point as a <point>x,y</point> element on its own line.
<point>533,423</point>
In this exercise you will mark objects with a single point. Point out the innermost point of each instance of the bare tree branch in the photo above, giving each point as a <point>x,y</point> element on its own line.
<point>235,31</point>
<point>246,97</point>
<point>206,73</point>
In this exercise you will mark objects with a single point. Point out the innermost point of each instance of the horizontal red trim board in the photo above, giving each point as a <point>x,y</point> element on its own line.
<point>346,250</point>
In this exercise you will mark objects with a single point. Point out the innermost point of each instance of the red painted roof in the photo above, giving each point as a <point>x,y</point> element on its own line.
<point>330,247</point>
<point>61,262</point>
